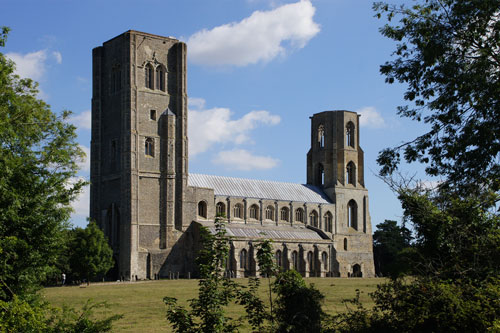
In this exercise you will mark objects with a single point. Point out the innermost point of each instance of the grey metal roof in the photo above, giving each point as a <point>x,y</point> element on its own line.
<point>267,232</point>
<point>262,189</point>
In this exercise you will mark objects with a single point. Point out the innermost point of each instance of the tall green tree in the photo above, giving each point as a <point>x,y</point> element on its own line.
<point>38,160</point>
<point>90,254</point>
<point>448,55</point>
<point>390,241</point>
<point>216,291</point>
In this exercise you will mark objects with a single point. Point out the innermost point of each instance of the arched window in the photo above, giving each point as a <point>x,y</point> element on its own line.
<point>324,259</point>
<point>284,214</point>
<point>356,271</point>
<point>202,209</point>
<point>278,259</point>
<point>350,130</point>
<point>351,173</point>
<point>321,174</point>
<point>160,78</point>
<point>352,214</point>
<point>299,215</point>
<point>243,259</point>
<point>148,73</point>
<point>328,222</point>
<point>310,260</point>
<point>220,209</point>
<point>313,219</point>
<point>295,260</point>
<point>238,209</point>
<point>321,136</point>
<point>149,147</point>
<point>270,213</point>
<point>254,212</point>
<point>345,244</point>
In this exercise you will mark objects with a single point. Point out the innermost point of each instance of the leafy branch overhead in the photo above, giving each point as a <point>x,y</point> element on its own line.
<point>448,55</point>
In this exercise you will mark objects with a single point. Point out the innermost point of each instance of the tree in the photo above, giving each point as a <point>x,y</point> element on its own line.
<point>91,255</point>
<point>298,306</point>
<point>449,56</point>
<point>215,291</point>
<point>38,159</point>
<point>389,241</point>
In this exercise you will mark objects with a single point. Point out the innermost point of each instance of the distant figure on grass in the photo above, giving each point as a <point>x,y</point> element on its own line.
<point>63,278</point>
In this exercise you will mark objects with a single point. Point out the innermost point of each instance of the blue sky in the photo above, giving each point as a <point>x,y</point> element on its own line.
<point>257,69</point>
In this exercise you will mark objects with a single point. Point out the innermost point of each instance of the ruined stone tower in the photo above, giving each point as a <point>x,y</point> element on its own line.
<point>139,146</point>
<point>335,163</point>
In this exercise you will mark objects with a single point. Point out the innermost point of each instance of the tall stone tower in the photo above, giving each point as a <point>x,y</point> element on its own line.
<point>139,148</point>
<point>335,163</point>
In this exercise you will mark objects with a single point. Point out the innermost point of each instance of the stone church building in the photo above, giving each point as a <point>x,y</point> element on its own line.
<point>151,207</point>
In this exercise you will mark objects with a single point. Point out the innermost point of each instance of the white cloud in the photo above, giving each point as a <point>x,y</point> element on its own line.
<point>370,117</point>
<point>82,120</point>
<point>259,37</point>
<point>196,103</point>
<point>241,159</point>
<point>57,56</point>
<point>208,127</point>
<point>82,203</point>
<point>84,164</point>
<point>30,65</point>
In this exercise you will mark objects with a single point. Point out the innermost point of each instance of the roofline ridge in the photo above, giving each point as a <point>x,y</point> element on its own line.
<point>250,179</point>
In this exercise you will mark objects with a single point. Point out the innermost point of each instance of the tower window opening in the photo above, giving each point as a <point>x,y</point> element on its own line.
<point>149,76</point>
<point>352,214</point>
<point>160,78</point>
<point>351,173</point>
<point>350,134</point>
<point>149,147</point>
<point>345,244</point>
<point>321,175</point>
<point>321,136</point>
<point>152,114</point>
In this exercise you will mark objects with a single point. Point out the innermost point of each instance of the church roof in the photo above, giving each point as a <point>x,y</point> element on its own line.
<point>267,232</point>
<point>260,189</point>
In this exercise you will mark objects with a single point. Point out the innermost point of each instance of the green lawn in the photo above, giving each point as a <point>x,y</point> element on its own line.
<point>143,309</point>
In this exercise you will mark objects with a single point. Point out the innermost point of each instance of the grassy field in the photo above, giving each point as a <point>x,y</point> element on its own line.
<point>143,310</point>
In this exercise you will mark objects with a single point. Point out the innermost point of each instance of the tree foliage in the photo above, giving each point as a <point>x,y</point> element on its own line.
<point>448,54</point>
<point>391,244</point>
<point>38,159</point>
<point>298,306</point>
<point>216,291</point>
<point>90,254</point>
<point>21,316</point>
<point>455,238</point>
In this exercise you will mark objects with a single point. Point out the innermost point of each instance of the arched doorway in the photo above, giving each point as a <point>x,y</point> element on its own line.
<point>356,271</point>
